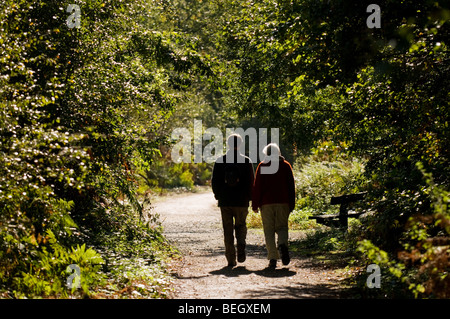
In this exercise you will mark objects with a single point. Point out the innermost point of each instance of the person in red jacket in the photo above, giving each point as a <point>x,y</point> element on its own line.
<point>274,194</point>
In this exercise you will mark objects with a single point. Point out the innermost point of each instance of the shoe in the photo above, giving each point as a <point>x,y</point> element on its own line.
<point>285,259</point>
<point>232,264</point>
<point>273,263</point>
<point>241,254</point>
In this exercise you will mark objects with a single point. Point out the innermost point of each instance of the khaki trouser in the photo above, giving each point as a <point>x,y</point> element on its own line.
<point>234,221</point>
<point>275,220</point>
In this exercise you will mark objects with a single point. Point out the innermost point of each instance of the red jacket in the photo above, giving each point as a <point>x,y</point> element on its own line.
<point>277,188</point>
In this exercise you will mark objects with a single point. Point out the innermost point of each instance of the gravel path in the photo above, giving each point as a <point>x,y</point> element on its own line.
<point>192,223</point>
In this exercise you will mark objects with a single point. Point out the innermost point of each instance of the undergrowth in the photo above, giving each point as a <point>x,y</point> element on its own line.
<point>123,255</point>
<point>136,258</point>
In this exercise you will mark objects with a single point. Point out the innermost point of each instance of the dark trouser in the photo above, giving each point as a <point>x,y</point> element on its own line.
<point>234,220</point>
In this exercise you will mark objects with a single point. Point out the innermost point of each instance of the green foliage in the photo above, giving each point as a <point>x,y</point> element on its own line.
<point>136,257</point>
<point>80,111</point>
<point>46,274</point>
<point>314,69</point>
<point>83,111</point>
<point>325,174</point>
<point>422,264</point>
<point>165,173</point>
<point>323,240</point>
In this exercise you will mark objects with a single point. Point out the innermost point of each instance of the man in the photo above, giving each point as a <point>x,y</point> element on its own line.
<point>232,182</point>
<point>274,194</point>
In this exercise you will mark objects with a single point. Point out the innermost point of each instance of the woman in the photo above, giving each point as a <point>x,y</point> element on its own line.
<point>274,194</point>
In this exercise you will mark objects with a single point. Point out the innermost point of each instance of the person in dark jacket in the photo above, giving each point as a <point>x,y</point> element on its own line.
<point>274,195</point>
<point>232,182</point>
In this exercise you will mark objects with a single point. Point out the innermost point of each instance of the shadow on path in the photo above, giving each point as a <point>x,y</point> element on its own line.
<point>300,290</point>
<point>192,222</point>
<point>242,271</point>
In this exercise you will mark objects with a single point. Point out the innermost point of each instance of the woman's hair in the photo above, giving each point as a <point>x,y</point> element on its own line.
<point>234,141</point>
<point>272,149</point>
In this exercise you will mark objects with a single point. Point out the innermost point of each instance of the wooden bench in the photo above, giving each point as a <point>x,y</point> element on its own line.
<point>340,219</point>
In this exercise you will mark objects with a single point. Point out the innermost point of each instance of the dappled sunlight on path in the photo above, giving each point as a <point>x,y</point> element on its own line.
<point>192,223</point>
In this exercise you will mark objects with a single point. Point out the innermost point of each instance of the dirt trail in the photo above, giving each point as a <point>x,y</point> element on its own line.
<point>192,223</point>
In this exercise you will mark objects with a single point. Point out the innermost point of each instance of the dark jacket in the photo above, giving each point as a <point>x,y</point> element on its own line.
<point>239,195</point>
<point>278,188</point>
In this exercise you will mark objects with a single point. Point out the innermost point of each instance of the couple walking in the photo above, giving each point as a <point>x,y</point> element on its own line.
<point>234,184</point>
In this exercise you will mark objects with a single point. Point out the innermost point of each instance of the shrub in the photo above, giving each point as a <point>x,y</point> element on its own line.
<point>47,274</point>
<point>80,110</point>
<point>165,173</point>
<point>422,265</point>
<point>317,181</point>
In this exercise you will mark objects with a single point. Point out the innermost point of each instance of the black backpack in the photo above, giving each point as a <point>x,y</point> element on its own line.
<point>232,174</point>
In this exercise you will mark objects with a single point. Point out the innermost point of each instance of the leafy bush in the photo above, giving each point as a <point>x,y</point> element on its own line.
<point>423,263</point>
<point>80,110</point>
<point>136,256</point>
<point>165,173</point>
<point>317,179</point>
<point>299,219</point>
<point>46,274</point>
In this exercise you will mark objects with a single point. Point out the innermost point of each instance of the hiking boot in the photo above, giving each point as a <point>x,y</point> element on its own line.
<point>241,257</point>
<point>241,253</point>
<point>284,255</point>
<point>273,263</point>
